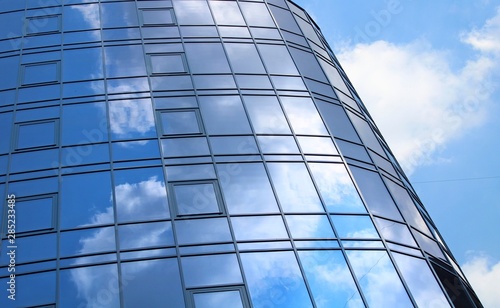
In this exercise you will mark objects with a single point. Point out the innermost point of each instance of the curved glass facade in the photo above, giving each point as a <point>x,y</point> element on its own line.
<point>199,153</point>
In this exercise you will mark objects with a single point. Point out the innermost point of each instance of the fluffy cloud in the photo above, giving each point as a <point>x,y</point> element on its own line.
<point>418,100</point>
<point>484,277</point>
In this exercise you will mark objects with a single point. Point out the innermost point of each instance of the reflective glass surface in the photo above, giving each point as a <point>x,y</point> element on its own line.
<point>211,270</point>
<point>309,226</point>
<point>258,228</point>
<point>202,231</point>
<point>354,226</point>
<point>180,122</point>
<point>39,134</point>
<point>35,214</point>
<point>218,299</point>
<point>196,198</point>
<point>145,235</point>
<point>303,116</point>
<point>266,115</point>
<point>229,108</point>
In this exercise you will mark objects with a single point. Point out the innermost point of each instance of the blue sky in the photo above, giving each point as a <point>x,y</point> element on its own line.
<point>428,73</point>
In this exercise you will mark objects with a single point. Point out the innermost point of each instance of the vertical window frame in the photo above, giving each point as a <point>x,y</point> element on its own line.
<point>48,146</point>
<point>245,301</point>
<point>27,65</point>
<point>218,198</point>
<point>31,18</point>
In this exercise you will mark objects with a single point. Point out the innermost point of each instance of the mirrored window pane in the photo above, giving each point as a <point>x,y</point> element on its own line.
<point>31,248</point>
<point>31,290</point>
<point>227,13</point>
<point>36,134</point>
<point>192,172</point>
<point>185,147</point>
<point>82,64</point>
<point>84,123</point>
<point>35,214</point>
<point>256,14</point>
<point>6,128</point>
<point>218,299</point>
<point>211,270</point>
<point>131,119</point>
<point>354,226</point>
<point>272,273</point>
<point>244,58</point>
<point>259,228</point>
<point>193,13</point>
<point>278,144</point>
<point>196,198</point>
<point>309,226</point>
<point>145,235</point>
<point>303,116</point>
<point>336,188</point>
<point>330,280</point>
<point>180,122</point>
<point>87,241</point>
<point>206,58</point>
<point>43,24</point>
<point>157,17</point>
<point>229,108</point>
<point>40,73</point>
<point>317,145</point>
<point>266,115</point>
<point>234,145</point>
<point>81,17</point>
<point>137,278</point>
<point>119,14</point>
<point>393,231</point>
<point>34,160</point>
<point>197,231</point>
<point>248,190</point>
<point>124,61</point>
<point>295,190</point>
<point>277,59</point>
<point>379,281</point>
<point>135,150</point>
<point>167,63</point>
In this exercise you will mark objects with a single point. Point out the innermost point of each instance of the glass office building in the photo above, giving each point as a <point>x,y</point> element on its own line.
<point>199,153</point>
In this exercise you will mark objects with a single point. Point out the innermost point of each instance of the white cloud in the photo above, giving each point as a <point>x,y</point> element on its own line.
<point>484,276</point>
<point>418,101</point>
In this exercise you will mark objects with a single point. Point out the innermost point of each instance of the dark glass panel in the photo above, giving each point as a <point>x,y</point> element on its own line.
<point>421,281</point>
<point>266,115</point>
<point>454,287</point>
<point>95,286</point>
<point>85,123</point>
<point>140,195</point>
<point>192,12</point>
<point>309,226</point>
<point>258,228</point>
<point>229,108</point>
<point>145,235</point>
<point>348,226</point>
<point>206,58</point>
<point>119,14</point>
<point>131,119</point>
<point>82,64</point>
<point>91,208</point>
<point>274,280</point>
<point>124,61</point>
<point>211,270</point>
<point>308,65</point>
<point>330,280</point>
<point>366,133</point>
<point>256,14</point>
<point>379,281</point>
<point>244,58</point>
<point>160,279</point>
<point>277,59</point>
<point>285,19</point>
<point>287,178</point>
<point>200,231</point>
<point>303,116</point>
<point>227,13</point>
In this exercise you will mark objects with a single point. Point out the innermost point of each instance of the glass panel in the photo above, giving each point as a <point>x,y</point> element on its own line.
<point>120,14</point>
<point>234,145</point>
<point>185,147</point>
<point>288,83</point>
<point>303,116</point>
<point>295,190</point>
<point>393,231</point>
<point>41,73</point>
<point>277,59</point>
<point>34,187</point>
<point>193,13</point>
<point>192,172</point>
<point>85,123</point>
<point>259,228</point>
<point>196,198</point>
<point>354,226</point>
<point>146,235</point>
<point>85,154</point>
<point>244,58</point>
<point>87,241</point>
<point>167,64</point>
<point>35,160</point>
<point>278,144</point>
<point>218,299</point>
<point>375,193</point>
<point>317,145</point>
<point>421,281</point>
<point>95,286</point>
<point>274,280</point>
<point>31,248</point>
<point>39,134</point>
<point>366,133</point>
<point>336,188</point>
<point>253,82</point>
<point>256,14</point>
<point>6,128</point>
<point>206,58</point>
<point>229,108</point>
<point>82,64</point>
<point>247,189</point>
<point>211,270</point>
<point>226,13</point>
<point>138,278</point>
<point>180,122</point>
<point>308,65</point>
<point>81,17</point>
<point>378,279</point>
<point>124,61</point>
<point>91,208</point>
<point>266,115</point>
<point>330,280</point>
<point>309,226</point>
<point>131,119</point>
<point>35,214</point>
<point>157,17</point>
<point>428,245</point>
<point>141,195</point>
<point>30,290</point>
<point>197,231</point>
<point>132,150</point>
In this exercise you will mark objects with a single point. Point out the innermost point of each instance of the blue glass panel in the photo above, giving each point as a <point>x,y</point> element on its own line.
<point>3,164</point>
<point>303,116</point>
<point>179,122</point>
<point>85,123</point>
<point>124,61</point>
<point>227,13</point>
<point>34,187</point>
<point>278,145</point>
<point>379,281</point>
<point>36,134</point>
<point>277,59</point>
<point>393,231</point>
<point>309,226</point>
<point>193,172</point>
<point>35,214</point>
<point>266,115</point>
<point>196,198</point>
<point>31,248</point>
<point>295,190</point>
<point>146,235</point>
<point>11,24</point>
<point>87,241</point>
<point>82,64</point>
<point>246,189</point>
<point>218,299</point>
<point>256,14</point>
<point>167,63</point>
<point>123,14</point>
<point>197,231</point>
<point>162,276</point>
<point>85,154</point>
<point>274,280</point>
<point>91,208</point>
<point>421,282</point>
<point>6,128</point>
<point>207,57</point>
<point>132,150</point>
<point>336,188</point>
<point>157,17</point>
<point>354,226</point>
<point>30,290</point>
<point>211,270</point>
<point>229,108</point>
<point>95,286</point>
<point>81,17</point>
<point>244,58</point>
<point>317,145</point>
<point>330,280</point>
<point>234,145</point>
<point>131,119</point>
<point>259,228</point>
<point>193,13</point>
<point>141,195</point>
<point>40,73</point>
<point>185,147</point>
<point>37,160</point>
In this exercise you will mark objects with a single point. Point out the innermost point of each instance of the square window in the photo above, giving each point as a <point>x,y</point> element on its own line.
<point>157,17</point>
<point>197,198</point>
<point>35,214</point>
<point>43,24</point>
<point>219,297</point>
<point>37,134</point>
<point>37,73</point>
<point>173,63</point>
<point>180,122</point>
